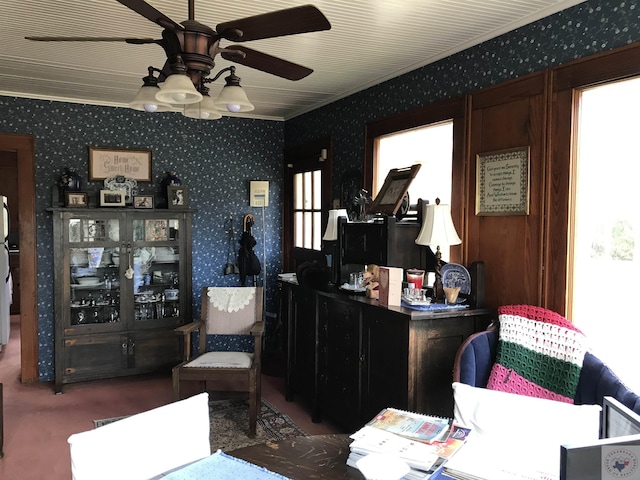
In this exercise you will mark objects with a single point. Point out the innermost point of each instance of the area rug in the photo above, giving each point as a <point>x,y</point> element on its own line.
<point>229,421</point>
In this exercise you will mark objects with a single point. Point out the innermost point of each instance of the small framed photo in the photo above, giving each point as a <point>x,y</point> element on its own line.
<point>143,201</point>
<point>177,196</point>
<point>75,199</point>
<point>112,198</point>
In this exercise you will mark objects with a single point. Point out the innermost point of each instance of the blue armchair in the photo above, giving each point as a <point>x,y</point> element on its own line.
<point>476,356</point>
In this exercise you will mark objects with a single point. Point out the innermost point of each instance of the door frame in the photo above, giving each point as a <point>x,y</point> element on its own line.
<point>23,146</point>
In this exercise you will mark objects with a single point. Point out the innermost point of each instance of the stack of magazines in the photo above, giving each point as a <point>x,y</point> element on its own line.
<point>423,442</point>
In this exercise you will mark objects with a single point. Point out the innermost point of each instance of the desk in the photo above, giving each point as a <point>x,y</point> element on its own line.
<point>316,457</point>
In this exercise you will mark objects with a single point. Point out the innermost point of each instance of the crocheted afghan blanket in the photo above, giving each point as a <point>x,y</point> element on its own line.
<point>539,354</point>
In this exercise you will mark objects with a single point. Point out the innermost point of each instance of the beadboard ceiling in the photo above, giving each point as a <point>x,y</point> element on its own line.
<point>370,41</point>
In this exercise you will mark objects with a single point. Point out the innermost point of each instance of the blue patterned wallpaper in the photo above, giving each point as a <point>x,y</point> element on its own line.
<point>582,30</point>
<point>217,159</point>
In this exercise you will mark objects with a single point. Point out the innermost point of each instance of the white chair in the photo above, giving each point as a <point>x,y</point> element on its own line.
<point>144,445</point>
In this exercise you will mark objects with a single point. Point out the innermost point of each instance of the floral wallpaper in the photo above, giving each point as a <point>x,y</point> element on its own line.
<point>217,159</point>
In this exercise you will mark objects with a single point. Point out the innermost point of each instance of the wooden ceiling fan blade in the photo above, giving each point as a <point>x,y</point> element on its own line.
<point>137,41</point>
<point>290,21</point>
<point>266,63</point>
<point>143,8</point>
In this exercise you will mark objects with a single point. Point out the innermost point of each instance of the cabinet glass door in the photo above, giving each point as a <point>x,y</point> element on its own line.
<point>94,271</point>
<point>156,271</point>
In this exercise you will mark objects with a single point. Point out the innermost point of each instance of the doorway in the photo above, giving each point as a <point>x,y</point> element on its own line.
<point>22,146</point>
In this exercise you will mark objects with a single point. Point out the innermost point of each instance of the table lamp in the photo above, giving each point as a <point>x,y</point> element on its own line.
<point>331,235</point>
<point>437,229</point>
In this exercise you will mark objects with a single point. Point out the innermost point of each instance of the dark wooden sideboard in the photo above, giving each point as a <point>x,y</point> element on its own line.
<point>348,358</point>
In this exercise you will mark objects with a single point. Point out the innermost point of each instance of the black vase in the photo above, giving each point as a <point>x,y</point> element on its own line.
<point>69,181</point>
<point>169,179</point>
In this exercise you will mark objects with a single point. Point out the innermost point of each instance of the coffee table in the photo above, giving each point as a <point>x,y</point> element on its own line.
<point>304,458</point>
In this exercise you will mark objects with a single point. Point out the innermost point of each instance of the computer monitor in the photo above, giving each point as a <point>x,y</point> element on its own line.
<point>618,449</point>
<point>618,420</point>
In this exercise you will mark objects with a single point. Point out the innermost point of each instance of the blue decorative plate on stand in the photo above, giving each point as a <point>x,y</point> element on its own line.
<point>455,275</point>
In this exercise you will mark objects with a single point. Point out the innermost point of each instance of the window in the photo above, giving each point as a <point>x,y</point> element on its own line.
<point>430,146</point>
<point>604,263</point>
<point>307,200</point>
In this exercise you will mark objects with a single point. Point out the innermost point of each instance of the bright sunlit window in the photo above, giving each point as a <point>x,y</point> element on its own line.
<point>432,147</point>
<point>606,247</point>
<point>307,199</point>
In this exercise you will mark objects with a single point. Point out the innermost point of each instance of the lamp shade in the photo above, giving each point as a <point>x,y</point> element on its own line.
<point>146,101</point>
<point>331,233</point>
<point>437,226</point>
<point>203,110</point>
<point>178,89</point>
<point>233,99</point>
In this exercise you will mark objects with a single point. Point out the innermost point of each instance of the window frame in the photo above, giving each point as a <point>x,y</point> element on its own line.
<point>307,157</point>
<point>454,110</point>
<point>566,81</point>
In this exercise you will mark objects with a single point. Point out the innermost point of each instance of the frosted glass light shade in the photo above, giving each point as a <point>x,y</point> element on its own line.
<point>331,233</point>
<point>233,99</point>
<point>437,227</point>
<point>146,101</point>
<point>204,110</point>
<point>178,90</point>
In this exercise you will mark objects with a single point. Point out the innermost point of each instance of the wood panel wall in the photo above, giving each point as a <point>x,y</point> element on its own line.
<point>508,116</point>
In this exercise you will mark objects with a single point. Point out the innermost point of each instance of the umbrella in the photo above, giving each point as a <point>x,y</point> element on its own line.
<point>248,262</point>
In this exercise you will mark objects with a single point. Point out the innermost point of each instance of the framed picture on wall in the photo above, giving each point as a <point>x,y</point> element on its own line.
<point>502,182</point>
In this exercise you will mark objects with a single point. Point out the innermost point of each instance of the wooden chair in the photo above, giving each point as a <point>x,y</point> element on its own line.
<point>225,311</point>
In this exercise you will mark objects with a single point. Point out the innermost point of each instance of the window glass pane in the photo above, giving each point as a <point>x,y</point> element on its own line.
<point>307,189</point>
<point>307,230</point>
<point>317,190</point>
<point>430,146</point>
<point>297,191</point>
<point>606,241</point>
<point>317,231</point>
<point>297,225</point>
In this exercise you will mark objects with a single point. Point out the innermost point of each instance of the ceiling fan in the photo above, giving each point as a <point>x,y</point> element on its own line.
<point>191,47</point>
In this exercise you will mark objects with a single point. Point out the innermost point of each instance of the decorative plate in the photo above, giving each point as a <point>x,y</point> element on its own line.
<point>454,275</point>
<point>349,288</point>
<point>120,182</point>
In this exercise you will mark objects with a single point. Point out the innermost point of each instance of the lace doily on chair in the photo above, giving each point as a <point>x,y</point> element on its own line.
<point>230,299</point>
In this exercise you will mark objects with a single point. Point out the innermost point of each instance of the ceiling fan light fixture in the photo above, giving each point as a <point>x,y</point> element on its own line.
<point>204,110</point>
<point>233,99</point>
<point>232,96</point>
<point>178,89</point>
<point>145,99</point>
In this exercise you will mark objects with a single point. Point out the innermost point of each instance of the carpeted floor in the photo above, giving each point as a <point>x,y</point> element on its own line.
<point>229,421</point>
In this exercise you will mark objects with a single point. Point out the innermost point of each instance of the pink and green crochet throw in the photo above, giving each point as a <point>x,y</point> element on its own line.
<point>540,354</point>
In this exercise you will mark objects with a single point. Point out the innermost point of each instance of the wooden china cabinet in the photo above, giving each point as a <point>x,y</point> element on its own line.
<point>123,283</point>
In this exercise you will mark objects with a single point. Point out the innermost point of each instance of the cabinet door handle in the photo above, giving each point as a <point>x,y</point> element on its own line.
<point>131,345</point>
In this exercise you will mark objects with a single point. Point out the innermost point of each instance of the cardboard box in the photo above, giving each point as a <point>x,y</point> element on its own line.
<point>390,287</point>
